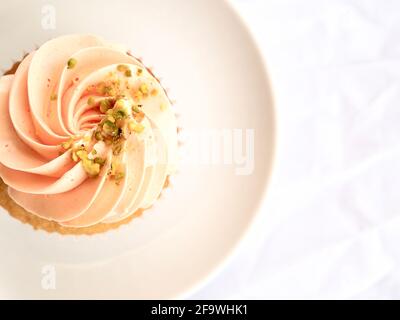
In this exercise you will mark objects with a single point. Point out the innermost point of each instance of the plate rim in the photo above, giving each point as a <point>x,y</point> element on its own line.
<point>238,243</point>
<point>271,170</point>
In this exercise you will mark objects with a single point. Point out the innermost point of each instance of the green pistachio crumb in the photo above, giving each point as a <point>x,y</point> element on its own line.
<point>98,136</point>
<point>91,101</point>
<point>110,128</point>
<point>117,149</point>
<point>111,118</point>
<point>113,168</point>
<point>120,114</point>
<point>100,161</point>
<point>91,168</point>
<point>136,108</point>
<point>105,104</point>
<point>144,89</point>
<point>67,144</point>
<point>81,154</point>
<point>74,157</point>
<point>119,175</point>
<point>108,90</point>
<point>136,127</point>
<point>72,63</point>
<point>122,67</point>
<point>128,73</point>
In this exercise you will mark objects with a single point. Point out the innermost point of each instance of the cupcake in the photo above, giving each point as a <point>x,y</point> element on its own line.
<point>88,138</point>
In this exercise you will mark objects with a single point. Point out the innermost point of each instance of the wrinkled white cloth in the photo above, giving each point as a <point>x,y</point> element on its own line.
<point>330,228</point>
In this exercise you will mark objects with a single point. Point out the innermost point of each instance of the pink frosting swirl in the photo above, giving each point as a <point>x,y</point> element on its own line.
<point>51,110</point>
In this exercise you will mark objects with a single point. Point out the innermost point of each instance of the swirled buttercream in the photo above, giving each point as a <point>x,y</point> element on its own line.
<point>87,133</point>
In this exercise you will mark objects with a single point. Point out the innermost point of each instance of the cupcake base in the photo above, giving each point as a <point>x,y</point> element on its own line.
<point>38,223</point>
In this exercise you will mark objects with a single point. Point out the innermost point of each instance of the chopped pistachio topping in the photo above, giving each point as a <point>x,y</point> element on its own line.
<point>98,136</point>
<point>144,89</point>
<point>100,161</point>
<point>116,172</point>
<point>138,95</point>
<point>163,107</point>
<point>119,176</point>
<point>108,90</point>
<point>122,68</point>
<point>91,101</point>
<point>117,148</point>
<point>109,128</point>
<point>67,144</point>
<point>74,157</point>
<point>111,118</point>
<point>131,125</point>
<point>105,105</point>
<point>72,63</point>
<point>81,154</point>
<point>128,73</point>
<point>90,167</point>
<point>136,127</point>
<point>123,103</point>
<point>136,108</point>
<point>121,115</point>
<point>114,166</point>
<point>78,152</point>
<point>53,96</point>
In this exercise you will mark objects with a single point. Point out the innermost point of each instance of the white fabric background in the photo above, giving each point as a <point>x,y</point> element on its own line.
<point>331,225</point>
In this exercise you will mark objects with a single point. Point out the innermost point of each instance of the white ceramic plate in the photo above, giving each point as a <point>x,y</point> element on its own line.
<point>207,58</point>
